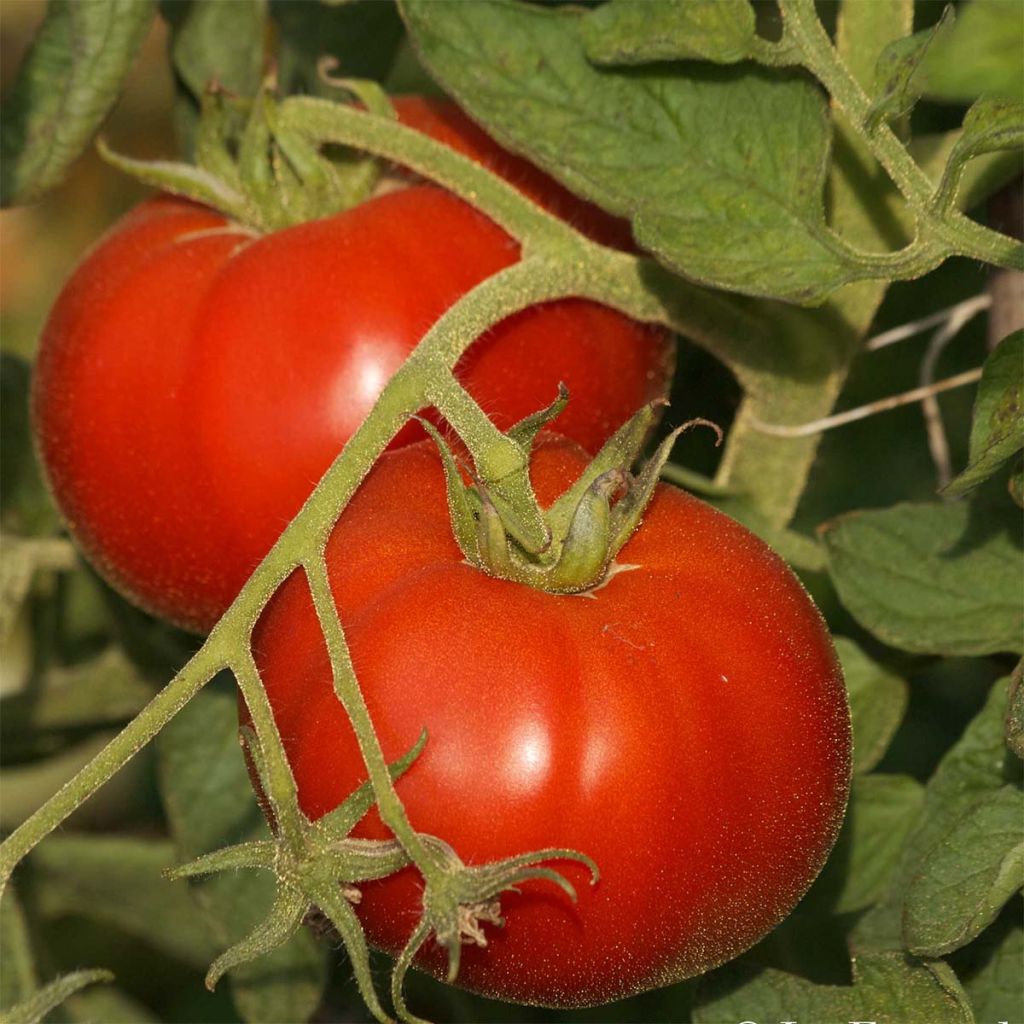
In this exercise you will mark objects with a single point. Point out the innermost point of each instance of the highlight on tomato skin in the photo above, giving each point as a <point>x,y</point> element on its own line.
<point>686,725</point>
<point>193,382</point>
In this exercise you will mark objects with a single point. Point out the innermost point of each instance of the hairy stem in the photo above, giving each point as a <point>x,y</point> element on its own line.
<point>325,121</point>
<point>957,232</point>
<point>279,782</point>
<point>346,686</point>
<point>153,717</point>
<point>511,290</point>
<point>636,286</point>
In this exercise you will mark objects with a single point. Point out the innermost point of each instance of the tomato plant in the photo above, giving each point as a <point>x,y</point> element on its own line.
<point>560,752</point>
<point>685,725</point>
<point>194,382</point>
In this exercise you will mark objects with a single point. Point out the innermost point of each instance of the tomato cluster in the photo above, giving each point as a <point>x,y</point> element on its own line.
<point>684,724</point>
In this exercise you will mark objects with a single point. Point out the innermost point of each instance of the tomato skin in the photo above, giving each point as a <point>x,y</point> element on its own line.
<point>686,726</point>
<point>193,382</point>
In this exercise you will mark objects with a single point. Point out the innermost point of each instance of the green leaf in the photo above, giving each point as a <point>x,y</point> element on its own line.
<point>625,32</point>
<point>982,55</point>
<point>997,432</point>
<point>878,701</point>
<point>120,882</point>
<point>362,37</point>
<point>720,169</point>
<point>887,989</point>
<point>974,769</point>
<point>18,978</point>
<point>883,810</point>
<point>897,85</point>
<point>990,969</point>
<point>67,83</point>
<point>991,126</point>
<point>221,42</point>
<point>210,804</point>
<point>962,884</point>
<point>932,578</point>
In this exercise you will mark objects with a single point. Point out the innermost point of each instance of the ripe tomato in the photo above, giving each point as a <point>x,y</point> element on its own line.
<point>193,382</point>
<point>685,725</point>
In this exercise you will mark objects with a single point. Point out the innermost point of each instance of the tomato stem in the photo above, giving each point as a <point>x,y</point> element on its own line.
<point>281,791</point>
<point>203,666</point>
<point>957,233</point>
<point>346,686</point>
<point>325,122</point>
<point>507,292</point>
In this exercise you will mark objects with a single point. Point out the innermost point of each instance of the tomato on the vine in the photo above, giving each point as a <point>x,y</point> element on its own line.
<point>194,382</point>
<point>685,724</point>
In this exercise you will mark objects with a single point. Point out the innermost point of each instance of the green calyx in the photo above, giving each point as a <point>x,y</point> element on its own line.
<point>318,875</point>
<point>257,168</point>
<point>495,517</point>
<point>462,898</point>
<point>320,869</point>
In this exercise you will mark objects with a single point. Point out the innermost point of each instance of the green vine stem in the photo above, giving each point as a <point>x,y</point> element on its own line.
<point>324,122</point>
<point>280,791</point>
<point>958,233</point>
<point>425,373</point>
<point>346,686</point>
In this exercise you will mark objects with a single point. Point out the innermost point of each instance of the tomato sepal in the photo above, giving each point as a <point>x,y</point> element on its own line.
<point>254,167</point>
<point>318,875</point>
<point>458,900</point>
<point>585,527</point>
<point>182,179</point>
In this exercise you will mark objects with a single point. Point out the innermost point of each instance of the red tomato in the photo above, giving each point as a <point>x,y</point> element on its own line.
<point>194,382</point>
<point>444,121</point>
<point>685,725</point>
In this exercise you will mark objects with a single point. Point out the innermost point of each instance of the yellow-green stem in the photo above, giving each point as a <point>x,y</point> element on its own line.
<point>507,292</point>
<point>957,232</point>
<point>160,710</point>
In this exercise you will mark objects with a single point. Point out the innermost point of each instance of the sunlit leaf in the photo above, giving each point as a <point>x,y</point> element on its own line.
<point>624,32</point>
<point>943,578</point>
<point>721,169</point>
